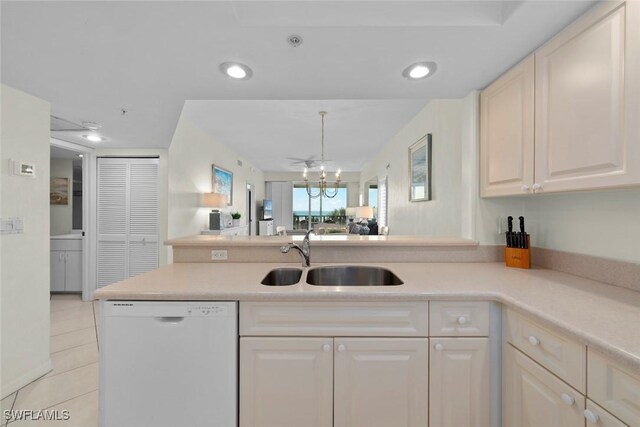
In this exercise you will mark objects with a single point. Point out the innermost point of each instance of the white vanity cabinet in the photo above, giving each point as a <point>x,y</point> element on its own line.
<point>66,263</point>
<point>585,130</point>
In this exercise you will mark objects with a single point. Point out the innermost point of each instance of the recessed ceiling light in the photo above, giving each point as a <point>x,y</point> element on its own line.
<point>80,155</point>
<point>419,70</point>
<point>91,125</point>
<point>94,138</point>
<point>236,70</point>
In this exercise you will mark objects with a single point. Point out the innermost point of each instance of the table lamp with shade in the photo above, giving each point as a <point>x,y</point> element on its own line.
<point>364,212</point>
<point>214,200</point>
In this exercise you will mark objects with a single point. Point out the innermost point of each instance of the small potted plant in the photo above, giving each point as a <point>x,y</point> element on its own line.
<point>236,218</point>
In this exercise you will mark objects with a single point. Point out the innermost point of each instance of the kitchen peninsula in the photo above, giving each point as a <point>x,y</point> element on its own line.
<point>569,335</point>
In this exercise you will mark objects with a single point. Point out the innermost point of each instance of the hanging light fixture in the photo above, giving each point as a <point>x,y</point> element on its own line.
<point>322,182</point>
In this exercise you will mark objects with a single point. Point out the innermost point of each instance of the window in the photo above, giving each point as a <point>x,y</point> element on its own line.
<point>320,210</point>
<point>382,202</point>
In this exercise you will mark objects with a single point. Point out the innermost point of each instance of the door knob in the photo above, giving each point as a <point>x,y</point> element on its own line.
<point>341,348</point>
<point>525,188</point>
<point>462,320</point>
<point>326,348</point>
<point>537,187</point>
<point>438,347</point>
<point>533,340</point>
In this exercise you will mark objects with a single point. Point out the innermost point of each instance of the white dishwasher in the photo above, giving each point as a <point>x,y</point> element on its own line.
<point>165,363</point>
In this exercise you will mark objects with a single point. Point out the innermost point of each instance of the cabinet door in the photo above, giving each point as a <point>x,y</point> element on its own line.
<point>533,397</point>
<point>381,382</point>
<point>587,103</point>
<point>596,416</point>
<point>459,382</point>
<point>73,271</point>
<point>57,271</point>
<point>506,133</point>
<point>286,382</point>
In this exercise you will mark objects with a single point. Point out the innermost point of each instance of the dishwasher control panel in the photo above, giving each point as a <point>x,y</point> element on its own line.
<point>169,308</point>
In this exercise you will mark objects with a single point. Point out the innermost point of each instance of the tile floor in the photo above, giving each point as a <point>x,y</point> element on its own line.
<point>73,383</point>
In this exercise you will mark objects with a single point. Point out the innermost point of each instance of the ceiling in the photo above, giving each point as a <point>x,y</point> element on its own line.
<point>94,59</point>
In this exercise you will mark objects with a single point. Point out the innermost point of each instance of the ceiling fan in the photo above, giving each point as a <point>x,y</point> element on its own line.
<point>310,162</point>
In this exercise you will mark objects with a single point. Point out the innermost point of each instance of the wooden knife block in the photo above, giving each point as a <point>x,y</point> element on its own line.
<point>518,258</point>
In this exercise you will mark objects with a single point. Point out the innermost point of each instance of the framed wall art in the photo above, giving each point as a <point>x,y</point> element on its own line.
<point>223,183</point>
<point>420,170</point>
<point>59,191</point>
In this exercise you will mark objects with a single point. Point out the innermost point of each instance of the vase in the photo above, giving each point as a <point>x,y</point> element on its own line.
<point>236,223</point>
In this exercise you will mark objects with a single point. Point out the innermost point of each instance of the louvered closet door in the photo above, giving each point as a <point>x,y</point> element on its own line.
<point>143,216</point>
<point>127,218</point>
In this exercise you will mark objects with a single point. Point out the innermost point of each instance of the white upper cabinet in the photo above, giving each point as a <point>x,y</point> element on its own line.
<point>587,104</point>
<point>583,89</point>
<point>506,132</point>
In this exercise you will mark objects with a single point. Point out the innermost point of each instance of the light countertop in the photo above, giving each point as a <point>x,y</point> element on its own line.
<point>604,317</point>
<point>72,236</point>
<point>322,240</point>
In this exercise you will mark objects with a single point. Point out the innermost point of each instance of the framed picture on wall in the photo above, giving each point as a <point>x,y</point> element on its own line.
<point>59,191</point>
<point>420,170</point>
<point>223,183</point>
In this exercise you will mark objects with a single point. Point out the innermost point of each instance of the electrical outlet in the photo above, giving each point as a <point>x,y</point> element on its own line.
<point>219,255</point>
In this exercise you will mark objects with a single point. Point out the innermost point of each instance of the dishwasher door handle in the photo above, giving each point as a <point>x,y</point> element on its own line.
<point>170,319</point>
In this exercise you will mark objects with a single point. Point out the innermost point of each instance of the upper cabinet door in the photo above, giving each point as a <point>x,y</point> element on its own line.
<point>587,101</point>
<point>506,133</point>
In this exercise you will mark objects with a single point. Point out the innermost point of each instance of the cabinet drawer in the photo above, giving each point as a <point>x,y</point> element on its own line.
<point>66,244</point>
<point>458,318</point>
<point>603,418</point>
<point>409,319</point>
<point>614,388</point>
<point>561,355</point>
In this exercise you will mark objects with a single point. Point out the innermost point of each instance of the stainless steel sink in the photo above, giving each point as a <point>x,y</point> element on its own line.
<point>352,275</point>
<point>282,277</point>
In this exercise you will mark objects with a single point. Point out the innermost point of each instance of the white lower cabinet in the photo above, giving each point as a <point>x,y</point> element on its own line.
<point>596,416</point>
<point>459,382</point>
<point>534,397</point>
<point>66,263</point>
<point>286,382</point>
<point>299,381</point>
<point>381,382</point>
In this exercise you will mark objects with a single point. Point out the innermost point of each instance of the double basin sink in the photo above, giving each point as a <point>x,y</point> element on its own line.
<point>343,275</point>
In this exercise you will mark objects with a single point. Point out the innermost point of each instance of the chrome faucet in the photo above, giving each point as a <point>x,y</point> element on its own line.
<point>304,251</point>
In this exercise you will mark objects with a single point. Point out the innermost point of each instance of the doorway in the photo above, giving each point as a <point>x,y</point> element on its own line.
<point>251,209</point>
<point>69,216</point>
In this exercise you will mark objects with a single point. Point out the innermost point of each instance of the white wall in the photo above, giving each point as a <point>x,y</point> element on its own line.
<point>62,215</point>
<point>24,266</point>
<point>191,156</point>
<point>599,223</point>
<point>163,178</point>
<point>441,215</point>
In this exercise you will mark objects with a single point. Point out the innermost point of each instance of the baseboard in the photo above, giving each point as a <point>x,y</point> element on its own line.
<point>25,379</point>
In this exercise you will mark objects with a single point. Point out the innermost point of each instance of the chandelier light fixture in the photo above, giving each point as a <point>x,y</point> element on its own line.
<point>322,184</point>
